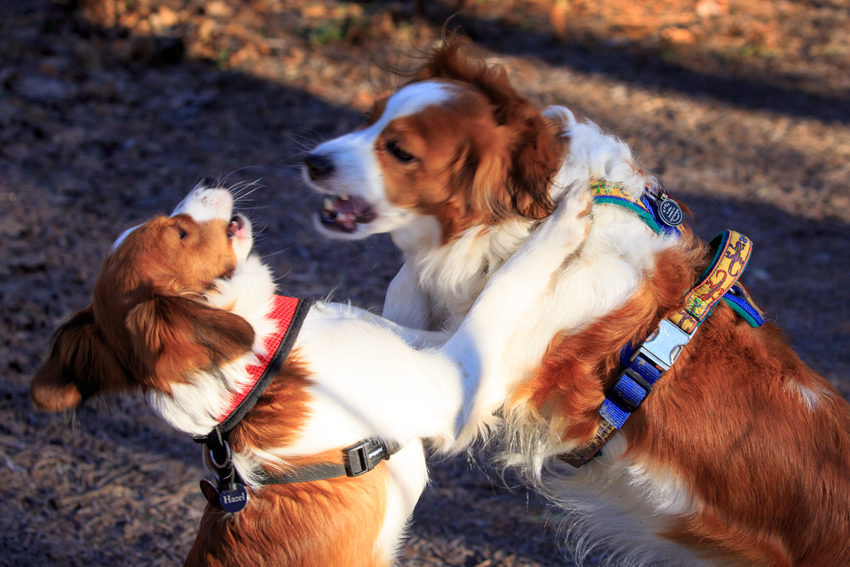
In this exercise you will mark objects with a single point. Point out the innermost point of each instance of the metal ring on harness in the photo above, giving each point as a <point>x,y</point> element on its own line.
<point>214,466</point>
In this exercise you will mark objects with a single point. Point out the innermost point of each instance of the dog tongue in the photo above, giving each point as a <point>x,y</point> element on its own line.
<point>236,224</point>
<point>353,205</point>
<point>346,212</point>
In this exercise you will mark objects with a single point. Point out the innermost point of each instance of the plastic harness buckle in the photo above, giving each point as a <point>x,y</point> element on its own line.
<point>364,456</point>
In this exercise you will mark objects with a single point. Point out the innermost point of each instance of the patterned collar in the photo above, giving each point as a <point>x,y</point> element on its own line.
<point>645,364</point>
<point>654,206</point>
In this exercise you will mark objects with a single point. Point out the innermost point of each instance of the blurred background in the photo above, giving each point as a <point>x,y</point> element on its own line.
<point>111,110</point>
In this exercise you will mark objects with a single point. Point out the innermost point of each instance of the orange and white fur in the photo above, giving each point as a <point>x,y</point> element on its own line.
<point>179,311</point>
<point>741,454</point>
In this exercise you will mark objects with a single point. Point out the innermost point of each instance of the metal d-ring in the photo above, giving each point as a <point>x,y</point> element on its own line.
<point>214,466</point>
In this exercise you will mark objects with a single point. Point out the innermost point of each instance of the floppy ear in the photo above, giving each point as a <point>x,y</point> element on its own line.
<point>173,335</point>
<point>523,164</point>
<point>535,162</point>
<point>489,161</point>
<point>80,365</point>
<point>536,148</point>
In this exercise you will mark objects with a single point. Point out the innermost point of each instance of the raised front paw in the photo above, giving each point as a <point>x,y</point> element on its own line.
<point>569,223</point>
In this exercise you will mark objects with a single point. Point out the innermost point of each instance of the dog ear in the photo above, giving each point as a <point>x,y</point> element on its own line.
<point>536,160</point>
<point>524,165</point>
<point>173,335</point>
<point>80,365</point>
<point>489,162</point>
<point>536,148</point>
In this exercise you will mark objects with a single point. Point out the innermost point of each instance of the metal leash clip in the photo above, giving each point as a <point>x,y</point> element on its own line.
<point>212,464</point>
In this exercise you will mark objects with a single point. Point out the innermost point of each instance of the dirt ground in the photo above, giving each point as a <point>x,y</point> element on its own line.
<point>111,110</point>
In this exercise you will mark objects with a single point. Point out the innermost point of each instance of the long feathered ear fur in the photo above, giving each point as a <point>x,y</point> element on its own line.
<point>80,365</point>
<point>173,336</point>
<point>536,148</point>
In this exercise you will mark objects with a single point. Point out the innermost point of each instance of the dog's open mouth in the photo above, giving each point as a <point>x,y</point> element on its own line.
<point>345,212</point>
<point>236,226</point>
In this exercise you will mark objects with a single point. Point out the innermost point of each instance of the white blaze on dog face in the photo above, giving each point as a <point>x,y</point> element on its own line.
<point>201,240</point>
<point>356,170</point>
<point>205,204</point>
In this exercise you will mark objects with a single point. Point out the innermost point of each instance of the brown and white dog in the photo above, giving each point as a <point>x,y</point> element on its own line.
<point>741,454</point>
<point>181,311</point>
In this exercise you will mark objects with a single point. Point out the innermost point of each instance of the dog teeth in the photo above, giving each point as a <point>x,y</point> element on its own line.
<point>329,204</point>
<point>344,197</point>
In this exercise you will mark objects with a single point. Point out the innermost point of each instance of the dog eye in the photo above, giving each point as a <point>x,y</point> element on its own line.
<point>182,232</point>
<point>399,153</point>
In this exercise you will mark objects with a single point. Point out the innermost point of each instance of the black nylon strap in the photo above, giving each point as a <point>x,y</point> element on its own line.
<point>308,473</point>
<point>358,459</point>
<point>216,440</point>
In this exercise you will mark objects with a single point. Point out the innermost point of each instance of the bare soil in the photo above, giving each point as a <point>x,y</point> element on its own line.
<point>111,110</point>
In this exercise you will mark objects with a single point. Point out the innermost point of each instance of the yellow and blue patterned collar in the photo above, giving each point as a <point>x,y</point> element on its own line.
<point>654,206</point>
<point>645,365</point>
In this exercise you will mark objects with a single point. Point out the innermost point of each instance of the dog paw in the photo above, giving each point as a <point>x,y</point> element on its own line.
<point>570,221</point>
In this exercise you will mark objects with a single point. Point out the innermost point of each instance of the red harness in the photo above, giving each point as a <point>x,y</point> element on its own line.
<point>283,313</point>
<point>289,313</point>
<point>229,492</point>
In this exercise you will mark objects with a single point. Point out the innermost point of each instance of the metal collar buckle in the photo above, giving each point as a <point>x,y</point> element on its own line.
<point>665,345</point>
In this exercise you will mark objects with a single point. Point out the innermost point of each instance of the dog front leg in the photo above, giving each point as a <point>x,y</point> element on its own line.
<point>406,302</point>
<point>513,293</point>
<point>414,337</point>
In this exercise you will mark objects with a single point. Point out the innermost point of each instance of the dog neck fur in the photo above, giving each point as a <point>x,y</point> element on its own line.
<point>617,255</point>
<point>454,274</point>
<point>195,406</point>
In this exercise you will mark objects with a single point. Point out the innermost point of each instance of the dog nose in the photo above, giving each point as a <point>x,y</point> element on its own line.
<point>318,166</point>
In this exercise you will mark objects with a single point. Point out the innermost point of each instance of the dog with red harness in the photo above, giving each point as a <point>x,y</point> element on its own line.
<point>699,436</point>
<point>312,416</point>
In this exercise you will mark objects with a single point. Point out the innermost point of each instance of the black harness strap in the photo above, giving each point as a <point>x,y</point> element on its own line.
<point>283,350</point>
<point>216,440</point>
<point>358,459</point>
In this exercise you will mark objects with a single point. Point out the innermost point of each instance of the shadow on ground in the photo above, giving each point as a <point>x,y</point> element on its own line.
<point>93,142</point>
